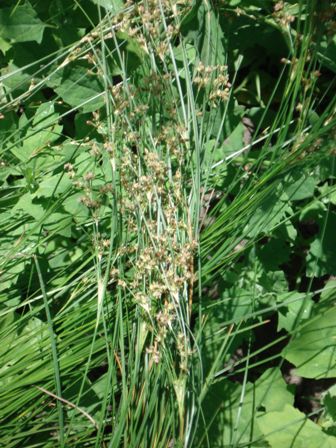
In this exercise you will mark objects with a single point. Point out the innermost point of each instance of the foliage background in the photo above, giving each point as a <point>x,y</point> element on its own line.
<point>214,121</point>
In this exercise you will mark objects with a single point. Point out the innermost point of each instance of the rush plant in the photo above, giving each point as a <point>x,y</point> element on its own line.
<point>167,219</point>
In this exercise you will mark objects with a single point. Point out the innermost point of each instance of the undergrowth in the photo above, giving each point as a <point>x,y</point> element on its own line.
<point>167,223</point>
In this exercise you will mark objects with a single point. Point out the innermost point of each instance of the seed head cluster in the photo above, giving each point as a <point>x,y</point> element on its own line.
<point>216,80</point>
<point>146,149</point>
<point>281,14</point>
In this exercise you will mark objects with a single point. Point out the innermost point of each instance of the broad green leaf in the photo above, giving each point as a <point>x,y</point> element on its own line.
<point>328,418</point>
<point>25,339</point>
<point>271,391</point>
<point>232,143</point>
<point>189,52</point>
<point>312,211</point>
<point>89,399</point>
<point>234,412</point>
<point>43,131</point>
<point>74,207</point>
<point>329,193</point>
<point>329,401</point>
<point>53,186</point>
<point>59,223</point>
<point>21,24</point>
<point>4,45</point>
<point>273,281</point>
<point>300,187</point>
<point>10,276</point>
<point>15,78</point>
<point>26,204</point>
<point>273,254</point>
<point>80,88</point>
<point>213,46</point>
<point>234,307</point>
<point>321,259</point>
<point>298,307</point>
<point>192,22</point>
<point>58,259</point>
<point>114,6</point>
<point>272,209</point>
<point>99,386</point>
<point>220,411</point>
<point>131,50</point>
<point>235,141</point>
<point>291,428</point>
<point>313,349</point>
<point>327,166</point>
<point>328,294</point>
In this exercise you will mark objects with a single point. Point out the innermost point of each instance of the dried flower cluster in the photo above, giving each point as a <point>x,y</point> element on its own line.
<point>146,148</point>
<point>154,22</point>
<point>153,205</point>
<point>154,211</point>
<point>216,79</point>
<point>281,14</point>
